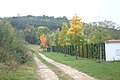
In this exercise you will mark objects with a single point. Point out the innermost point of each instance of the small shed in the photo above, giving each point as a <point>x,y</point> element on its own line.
<point>112,50</point>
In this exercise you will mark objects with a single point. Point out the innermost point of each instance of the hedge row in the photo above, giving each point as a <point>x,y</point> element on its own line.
<point>83,50</point>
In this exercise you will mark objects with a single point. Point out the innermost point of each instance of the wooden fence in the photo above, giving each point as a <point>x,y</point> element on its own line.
<point>83,50</point>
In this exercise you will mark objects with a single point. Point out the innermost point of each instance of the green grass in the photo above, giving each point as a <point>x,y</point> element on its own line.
<point>61,75</point>
<point>102,71</point>
<point>24,72</point>
<point>34,48</point>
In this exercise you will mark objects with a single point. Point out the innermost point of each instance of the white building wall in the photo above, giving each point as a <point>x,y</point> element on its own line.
<point>112,51</point>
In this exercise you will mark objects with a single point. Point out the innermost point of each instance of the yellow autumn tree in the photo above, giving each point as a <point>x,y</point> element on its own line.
<point>63,38</point>
<point>63,34</point>
<point>76,32</point>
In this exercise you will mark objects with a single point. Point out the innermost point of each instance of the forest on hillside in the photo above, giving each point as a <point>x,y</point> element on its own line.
<point>31,27</point>
<point>21,22</point>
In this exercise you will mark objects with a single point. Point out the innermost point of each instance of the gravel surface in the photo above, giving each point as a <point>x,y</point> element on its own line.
<point>75,74</point>
<point>44,72</point>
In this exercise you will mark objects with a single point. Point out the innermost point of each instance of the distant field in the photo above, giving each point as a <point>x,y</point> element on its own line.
<point>102,71</point>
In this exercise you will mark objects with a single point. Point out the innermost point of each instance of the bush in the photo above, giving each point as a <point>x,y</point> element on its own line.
<point>12,48</point>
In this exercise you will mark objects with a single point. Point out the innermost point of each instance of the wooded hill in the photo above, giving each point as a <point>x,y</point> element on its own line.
<point>20,22</point>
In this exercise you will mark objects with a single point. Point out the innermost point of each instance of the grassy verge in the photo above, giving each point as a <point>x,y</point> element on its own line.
<point>34,48</point>
<point>103,71</point>
<point>24,72</point>
<point>57,71</point>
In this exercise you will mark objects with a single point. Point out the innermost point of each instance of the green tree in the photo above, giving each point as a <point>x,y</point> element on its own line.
<point>98,35</point>
<point>5,33</point>
<point>63,40</point>
<point>57,35</point>
<point>51,40</point>
<point>41,30</point>
<point>29,34</point>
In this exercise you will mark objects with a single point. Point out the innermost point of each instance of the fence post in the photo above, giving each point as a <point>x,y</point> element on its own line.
<point>86,50</point>
<point>103,50</point>
<point>100,53</point>
<point>62,49</point>
<point>76,54</point>
<point>83,50</point>
<point>65,51</point>
<point>79,50</point>
<point>73,50</point>
<point>92,50</point>
<point>68,49</point>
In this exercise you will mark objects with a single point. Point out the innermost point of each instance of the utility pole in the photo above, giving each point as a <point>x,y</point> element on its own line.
<point>100,54</point>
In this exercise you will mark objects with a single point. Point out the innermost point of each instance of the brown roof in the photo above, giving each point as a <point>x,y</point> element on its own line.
<point>113,41</point>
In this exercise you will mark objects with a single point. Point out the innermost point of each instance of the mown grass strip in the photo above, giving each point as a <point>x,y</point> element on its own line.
<point>102,71</point>
<point>57,71</point>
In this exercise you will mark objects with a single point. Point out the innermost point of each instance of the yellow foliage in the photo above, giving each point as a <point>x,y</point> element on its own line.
<point>29,30</point>
<point>76,25</point>
<point>13,30</point>
<point>75,29</point>
<point>63,34</point>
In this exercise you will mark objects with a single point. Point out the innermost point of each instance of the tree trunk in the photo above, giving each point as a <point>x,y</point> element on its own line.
<point>76,52</point>
<point>79,50</point>
<point>65,50</point>
<point>57,49</point>
<point>100,53</point>
<point>83,50</point>
<point>86,50</point>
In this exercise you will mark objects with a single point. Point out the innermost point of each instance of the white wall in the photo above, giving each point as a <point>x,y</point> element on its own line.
<point>112,51</point>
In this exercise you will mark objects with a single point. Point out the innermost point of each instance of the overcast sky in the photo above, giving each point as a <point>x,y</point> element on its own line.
<point>89,10</point>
